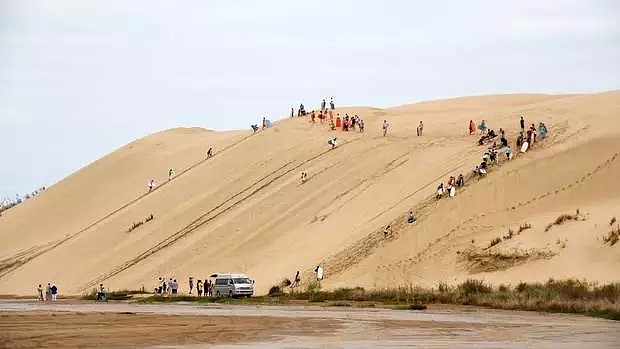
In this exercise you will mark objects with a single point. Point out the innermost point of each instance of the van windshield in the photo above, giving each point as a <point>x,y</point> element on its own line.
<point>242,281</point>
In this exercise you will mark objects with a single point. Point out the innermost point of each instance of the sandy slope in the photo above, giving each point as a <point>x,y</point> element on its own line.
<point>245,210</point>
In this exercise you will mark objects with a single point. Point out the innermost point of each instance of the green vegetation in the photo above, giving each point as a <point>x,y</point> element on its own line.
<point>566,296</point>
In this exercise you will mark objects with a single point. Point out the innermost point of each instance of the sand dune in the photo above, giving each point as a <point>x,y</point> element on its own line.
<point>245,209</point>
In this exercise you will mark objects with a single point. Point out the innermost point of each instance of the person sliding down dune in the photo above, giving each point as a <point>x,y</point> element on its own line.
<point>440,190</point>
<point>332,142</point>
<point>304,177</point>
<point>410,217</point>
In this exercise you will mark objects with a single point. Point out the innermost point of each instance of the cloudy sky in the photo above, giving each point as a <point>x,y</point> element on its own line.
<point>80,78</point>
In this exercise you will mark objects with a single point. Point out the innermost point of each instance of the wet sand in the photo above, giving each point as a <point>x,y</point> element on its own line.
<point>120,325</point>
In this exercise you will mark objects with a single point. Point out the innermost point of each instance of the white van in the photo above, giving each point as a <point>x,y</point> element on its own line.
<point>232,285</point>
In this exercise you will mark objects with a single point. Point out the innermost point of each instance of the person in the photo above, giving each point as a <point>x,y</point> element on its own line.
<point>533,139</point>
<point>191,284</point>
<point>254,128</point>
<point>312,116</point>
<point>460,181</point>
<point>387,231</point>
<point>48,291</point>
<point>323,105</point>
<point>151,184</point>
<point>302,111</point>
<point>170,284</point>
<point>292,112</point>
<point>101,293</point>
<point>199,288</point>
<point>451,181</point>
<point>483,127</point>
<point>542,129</point>
<point>40,293</point>
<point>297,280</point>
<point>361,125</point>
<point>319,272</point>
<point>332,142</point>
<point>522,124</point>
<point>504,141</point>
<point>170,174</point>
<point>420,128</point>
<point>472,127</point>
<point>304,177</point>
<point>264,122</point>
<point>54,291</point>
<point>385,127</point>
<point>210,153</point>
<point>331,116</point>
<point>209,289</point>
<point>520,140</point>
<point>175,287</point>
<point>508,152</point>
<point>440,190</point>
<point>410,217</point>
<point>332,126</point>
<point>331,104</point>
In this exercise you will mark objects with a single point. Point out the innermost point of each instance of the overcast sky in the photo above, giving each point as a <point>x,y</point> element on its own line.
<point>80,78</point>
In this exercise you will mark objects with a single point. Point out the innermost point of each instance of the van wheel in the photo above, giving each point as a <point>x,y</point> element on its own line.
<point>230,294</point>
<point>217,293</point>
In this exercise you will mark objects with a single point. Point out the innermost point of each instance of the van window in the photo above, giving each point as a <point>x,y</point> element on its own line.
<point>242,281</point>
<point>221,281</point>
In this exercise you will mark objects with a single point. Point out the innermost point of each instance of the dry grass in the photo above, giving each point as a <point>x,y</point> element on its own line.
<point>564,218</point>
<point>478,261</point>
<point>494,242</point>
<point>137,224</point>
<point>523,227</point>
<point>612,237</point>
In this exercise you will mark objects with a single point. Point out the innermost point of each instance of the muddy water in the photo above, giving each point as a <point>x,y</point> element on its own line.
<point>382,328</point>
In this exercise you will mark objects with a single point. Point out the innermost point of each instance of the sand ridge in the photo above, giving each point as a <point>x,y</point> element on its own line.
<point>245,209</point>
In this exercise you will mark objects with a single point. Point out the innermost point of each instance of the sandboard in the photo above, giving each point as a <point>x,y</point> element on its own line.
<point>452,192</point>
<point>524,147</point>
<point>439,192</point>
<point>483,171</point>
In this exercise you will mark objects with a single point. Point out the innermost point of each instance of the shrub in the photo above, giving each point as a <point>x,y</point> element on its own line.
<point>473,286</point>
<point>612,237</point>
<point>275,291</point>
<point>523,227</point>
<point>495,241</point>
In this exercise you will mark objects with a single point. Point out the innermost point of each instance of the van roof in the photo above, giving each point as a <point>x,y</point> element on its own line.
<point>228,275</point>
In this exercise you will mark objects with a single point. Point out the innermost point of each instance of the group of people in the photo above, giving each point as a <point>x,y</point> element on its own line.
<point>49,293</point>
<point>202,288</point>
<point>450,187</point>
<point>163,287</point>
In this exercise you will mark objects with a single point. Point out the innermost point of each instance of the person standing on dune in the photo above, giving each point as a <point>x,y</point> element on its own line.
<point>420,128</point>
<point>385,127</point>
<point>170,174</point>
<point>151,185</point>
<point>331,103</point>
<point>323,105</point>
<point>522,124</point>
